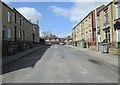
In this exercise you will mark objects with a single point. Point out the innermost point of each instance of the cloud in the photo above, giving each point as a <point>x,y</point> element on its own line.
<point>78,11</point>
<point>30,13</point>
<point>57,0</point>
<point>73,15</point>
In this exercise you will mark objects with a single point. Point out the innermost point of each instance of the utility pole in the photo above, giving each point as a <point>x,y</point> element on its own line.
<point>96,25</point>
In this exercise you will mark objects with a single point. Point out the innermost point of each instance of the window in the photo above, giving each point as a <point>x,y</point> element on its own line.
<point>14,17</point>
<point>3,34</point>
<point>19,20</point>
<point>106,16</point>
<point>9,33</point>
<point>118,35</point>
<point>23,22</point>
<point>86,23</point>
<point>98,20</point>
<point>15,33</point>
<point>20,33</point>
<point>9,16</point>
<point>89,21</point>
<point>118,9</point>
<point>26,24</point>
<point>86,35</point>
<point>107,35</point>
<point>83,36</point>
<point>90,34</point>
<point>23,35</point>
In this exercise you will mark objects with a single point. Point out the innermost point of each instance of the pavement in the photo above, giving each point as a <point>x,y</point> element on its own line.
<point>9,59</point>
<point>61,64</point>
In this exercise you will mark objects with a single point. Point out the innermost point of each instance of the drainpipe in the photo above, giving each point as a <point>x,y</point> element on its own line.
<point>96,25</point>
<point>112,24</point>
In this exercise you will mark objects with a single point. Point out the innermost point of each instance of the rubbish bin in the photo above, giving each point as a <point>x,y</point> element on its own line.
<point>15,49</point>
<point>100,47</point>
<point>118,44</point>
<point>76,43</point>
<point>22,47</point>
<point>105,48</point>
<point>83,44</point>
<point>11,49</point>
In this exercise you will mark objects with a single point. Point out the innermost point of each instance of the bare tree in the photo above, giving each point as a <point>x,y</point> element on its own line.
<point>46,33</point>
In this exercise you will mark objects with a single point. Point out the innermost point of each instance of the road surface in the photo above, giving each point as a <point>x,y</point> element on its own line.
<point>59,64</point>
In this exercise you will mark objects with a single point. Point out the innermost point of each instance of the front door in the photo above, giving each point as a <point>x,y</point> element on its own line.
<point>107,35</point>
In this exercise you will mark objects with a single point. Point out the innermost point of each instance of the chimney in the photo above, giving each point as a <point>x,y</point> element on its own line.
<point>37,22</point>
<point>29,20</point>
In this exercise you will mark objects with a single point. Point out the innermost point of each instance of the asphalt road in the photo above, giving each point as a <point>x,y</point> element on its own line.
<point>59,64</point>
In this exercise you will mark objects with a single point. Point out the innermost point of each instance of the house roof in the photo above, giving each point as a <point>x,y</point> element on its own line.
<point>98,10</point>
<point>14,10</point>
<point>51,37</point>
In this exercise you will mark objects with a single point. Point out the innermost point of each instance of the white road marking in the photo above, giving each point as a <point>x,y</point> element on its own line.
<point>85,71</point>
<point>27,75</point>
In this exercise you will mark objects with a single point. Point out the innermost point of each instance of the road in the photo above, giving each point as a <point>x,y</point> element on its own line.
<point>59,64</point>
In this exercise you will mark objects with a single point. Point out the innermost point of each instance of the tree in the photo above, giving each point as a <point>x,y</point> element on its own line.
<point>46,33</point>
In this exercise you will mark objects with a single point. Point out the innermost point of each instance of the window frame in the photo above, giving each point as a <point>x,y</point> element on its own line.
<point>9,16</point>
<point>118,11</point>
<point>14,17</point>
<point>20,34</point>
<point>98,21</point>
<point>9,33</point>
<point>106,16</point>
<point>3,33</point>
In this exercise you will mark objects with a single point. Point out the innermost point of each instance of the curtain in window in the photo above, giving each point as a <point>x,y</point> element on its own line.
<point>9,33</point>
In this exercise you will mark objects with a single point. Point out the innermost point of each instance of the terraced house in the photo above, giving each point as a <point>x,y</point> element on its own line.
<point>76,34</point>
<point>17,31</point>
<point>85,31</point>
<point>35,33</point>
<point>106,20</point>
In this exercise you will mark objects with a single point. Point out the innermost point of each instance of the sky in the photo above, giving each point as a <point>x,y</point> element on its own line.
<point>56,17</point>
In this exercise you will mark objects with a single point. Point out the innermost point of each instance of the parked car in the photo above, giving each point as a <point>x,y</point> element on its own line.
<point>61,43</point>
<point>49,44</point>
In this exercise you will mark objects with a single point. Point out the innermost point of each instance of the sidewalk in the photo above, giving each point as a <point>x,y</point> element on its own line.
<point>107,58</point>
<point>9,59</point>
